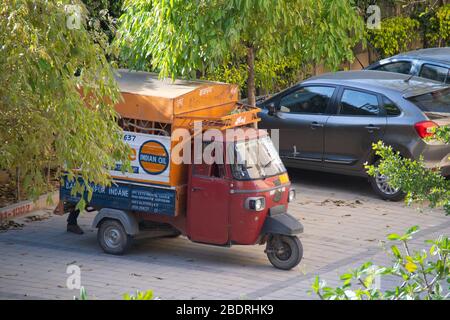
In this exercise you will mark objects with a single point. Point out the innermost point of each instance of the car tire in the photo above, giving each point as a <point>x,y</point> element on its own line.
<point>381,187</point>
<point>112,237</point>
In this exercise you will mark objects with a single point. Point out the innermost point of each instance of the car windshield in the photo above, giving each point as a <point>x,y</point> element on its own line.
<point>255,159</point>
<point>433,102</point>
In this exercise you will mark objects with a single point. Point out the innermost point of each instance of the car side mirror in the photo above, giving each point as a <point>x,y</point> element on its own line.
<point>272,109</point>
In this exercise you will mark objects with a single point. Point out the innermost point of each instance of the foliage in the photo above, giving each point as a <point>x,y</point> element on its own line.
<point>442,134</point>
<point>83,294</point>
<point>140,295</point>
<point>102,19</point>
<point>44,121</point>
<point>229,73</point>
<point>420,183</point>
<point>438,33</point>
<point>269,77</point>
<point>395,35</point>
<point>101,22</point>
<point>180,38</point>
<point>147,295</point>
<point>421,274</point>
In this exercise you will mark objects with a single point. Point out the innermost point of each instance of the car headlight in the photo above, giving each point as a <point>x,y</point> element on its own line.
<point>255,203</point>
<point>291,195</point>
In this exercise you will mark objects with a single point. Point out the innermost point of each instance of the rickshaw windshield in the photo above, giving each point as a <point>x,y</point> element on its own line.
<point>255,159</point>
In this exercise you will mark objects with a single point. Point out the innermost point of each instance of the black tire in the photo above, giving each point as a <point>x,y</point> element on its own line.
<point>112,237</point>
<point>383,190</point>
<point>289,256</point>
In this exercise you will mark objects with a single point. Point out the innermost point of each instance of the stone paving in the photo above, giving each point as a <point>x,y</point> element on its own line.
<point>344,222</point>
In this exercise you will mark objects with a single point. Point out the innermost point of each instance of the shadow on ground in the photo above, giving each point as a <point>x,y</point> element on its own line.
<point>332,182</point>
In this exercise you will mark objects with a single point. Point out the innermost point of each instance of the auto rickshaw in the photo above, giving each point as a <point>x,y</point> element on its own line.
<point>239,198</point>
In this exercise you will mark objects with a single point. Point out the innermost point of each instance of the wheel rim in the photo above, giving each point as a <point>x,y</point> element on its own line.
<point>283,253</point>
<point>382,182</point>
<point>112,237</point>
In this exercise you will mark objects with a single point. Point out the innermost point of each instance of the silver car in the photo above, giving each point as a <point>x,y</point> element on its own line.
<point>430,63</point>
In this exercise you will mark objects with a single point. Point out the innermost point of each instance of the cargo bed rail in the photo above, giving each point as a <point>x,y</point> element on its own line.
<point>238,115</point>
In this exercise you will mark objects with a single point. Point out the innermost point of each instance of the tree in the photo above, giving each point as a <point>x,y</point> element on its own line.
<point>47,58</point>
<point>181,38</point>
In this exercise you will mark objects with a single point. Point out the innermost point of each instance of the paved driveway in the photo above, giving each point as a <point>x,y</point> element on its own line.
<point>343,220</point>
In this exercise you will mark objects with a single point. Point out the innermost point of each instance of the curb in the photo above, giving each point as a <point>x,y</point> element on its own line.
<point>23,208</point>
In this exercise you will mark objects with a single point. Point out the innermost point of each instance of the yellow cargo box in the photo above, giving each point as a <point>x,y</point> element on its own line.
<point>145,97</point>
<point>164,105</point>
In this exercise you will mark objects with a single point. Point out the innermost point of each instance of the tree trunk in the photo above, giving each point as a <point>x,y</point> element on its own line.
<point>18,184</point>
<point>251,76</point>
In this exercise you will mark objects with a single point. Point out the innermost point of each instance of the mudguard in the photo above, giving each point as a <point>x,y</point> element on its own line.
<point>127,219</point>
<point>282,223</point>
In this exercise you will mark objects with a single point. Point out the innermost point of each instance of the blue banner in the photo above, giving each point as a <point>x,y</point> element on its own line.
<point>127,197</point>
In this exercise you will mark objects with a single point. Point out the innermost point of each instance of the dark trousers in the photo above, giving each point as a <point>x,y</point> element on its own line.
<point>73,216</point>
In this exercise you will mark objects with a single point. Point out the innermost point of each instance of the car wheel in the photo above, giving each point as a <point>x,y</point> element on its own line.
<point>113,238</point>
<point>380,184</point>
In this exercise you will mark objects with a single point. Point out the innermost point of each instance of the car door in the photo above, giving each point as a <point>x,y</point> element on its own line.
<point>348,136</point>
<point>300,118</point>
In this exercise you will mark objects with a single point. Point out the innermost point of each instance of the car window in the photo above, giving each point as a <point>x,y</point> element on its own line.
<point>307,100</point>
<point>435,73</point>
<point>434,102</point>
<point>206,168</point>
<point>390,108</point>
<point>357,103</point>
<point>397,67</point>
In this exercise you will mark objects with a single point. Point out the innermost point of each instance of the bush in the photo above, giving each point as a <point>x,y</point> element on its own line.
<point>270,76</point>
<point>420,184</point>
<point>438,34</point>
<point>421,274</point>
<point>396,34</point>
<point>140,295</point>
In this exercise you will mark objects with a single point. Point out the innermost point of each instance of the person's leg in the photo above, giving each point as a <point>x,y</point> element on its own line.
<point>72,225</point>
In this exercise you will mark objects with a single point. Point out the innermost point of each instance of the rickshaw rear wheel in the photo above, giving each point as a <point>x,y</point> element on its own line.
<point>113,238</point>
<point>284,252</point>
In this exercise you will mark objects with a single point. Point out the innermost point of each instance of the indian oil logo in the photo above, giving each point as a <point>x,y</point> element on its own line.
<point>153,157</point>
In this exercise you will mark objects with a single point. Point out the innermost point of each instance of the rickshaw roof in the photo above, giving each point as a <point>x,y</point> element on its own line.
<point>146,97</point>
<point>149,84</point>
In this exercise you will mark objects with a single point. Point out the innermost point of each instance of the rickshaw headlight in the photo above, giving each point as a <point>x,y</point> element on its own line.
<point>291,195</point>
<point>257,204</point>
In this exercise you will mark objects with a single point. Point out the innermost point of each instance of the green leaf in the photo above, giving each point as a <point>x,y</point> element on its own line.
<point>412,230</point>
<point>396,252</point>
<point>393,237</point>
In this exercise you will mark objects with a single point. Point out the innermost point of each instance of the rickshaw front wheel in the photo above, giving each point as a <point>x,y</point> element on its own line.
<point>113,238</point>
<point>284,252</point>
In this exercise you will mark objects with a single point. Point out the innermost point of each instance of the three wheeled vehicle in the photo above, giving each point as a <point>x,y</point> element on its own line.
<point>241,196</point>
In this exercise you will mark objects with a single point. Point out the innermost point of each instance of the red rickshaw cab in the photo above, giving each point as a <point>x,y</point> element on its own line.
<point>244,198</point>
